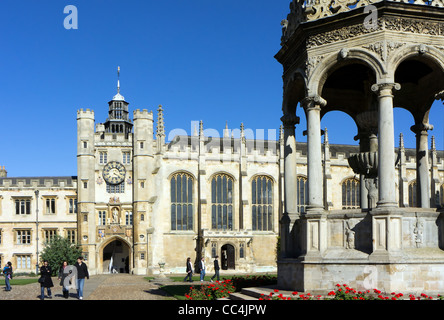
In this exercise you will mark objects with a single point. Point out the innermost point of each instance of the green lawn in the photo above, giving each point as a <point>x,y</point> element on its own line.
<point>18,282</point>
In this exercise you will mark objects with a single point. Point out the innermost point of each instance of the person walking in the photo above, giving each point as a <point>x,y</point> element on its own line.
<point>189,271</point>
<point>64,272</point>
<point>45,280</point>
<point>202,269</point>
<point>82,273</point>
<point>7,272</point>
<point>216,269</point>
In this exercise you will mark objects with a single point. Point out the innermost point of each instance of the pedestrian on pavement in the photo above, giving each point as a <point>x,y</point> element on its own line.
<point>45,280</point>
<point>82,273</point>
<point>216,269</point>
<point>64,272</point>
<point>189,271</point>
<point>202,269</point>
<point>7,272</point>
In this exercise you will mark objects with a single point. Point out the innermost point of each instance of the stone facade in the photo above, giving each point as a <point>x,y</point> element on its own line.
<point>134,226</point>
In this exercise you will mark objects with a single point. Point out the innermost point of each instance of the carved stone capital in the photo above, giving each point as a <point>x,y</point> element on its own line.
<point>313,102</point>
<point>421,128</point>
<point>384,89</point>
<point>290,120</point>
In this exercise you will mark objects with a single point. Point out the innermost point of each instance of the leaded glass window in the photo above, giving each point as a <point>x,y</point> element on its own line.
<point>262,203</point>
<point>222,202</point>
<point>182,202</point>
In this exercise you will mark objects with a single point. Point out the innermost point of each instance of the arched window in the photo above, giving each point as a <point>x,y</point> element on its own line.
<point>302,194</point>
<point>182,202</point>
<point>222,202</point>
<point>351,198</point>
<point>412,194</point>
<point>262,203</point>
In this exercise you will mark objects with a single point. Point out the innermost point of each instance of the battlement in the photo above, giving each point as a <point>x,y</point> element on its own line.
<point>39,182</point>
<point>88,114</point>
<point>144,114</point>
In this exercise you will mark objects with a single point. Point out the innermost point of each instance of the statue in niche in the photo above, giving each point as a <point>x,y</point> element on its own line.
<point>349,237</point>
<point>115,215</point>
<point>372,187</point>
<point>418,233</point>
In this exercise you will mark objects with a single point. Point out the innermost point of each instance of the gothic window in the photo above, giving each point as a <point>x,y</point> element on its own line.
<point>102,218</point>
<point>351,198</point>
<point>222,202</point>
<point>128,218</point>
<point>262,203</point>
<point>23,236</point>
<point>50,205</point>
<point>23,261</point>
<point>126,157</point>
<point>103,157</point>
<point>71,235</point>
<point>72,204</point>
<point>412,194</point>
<point>182,202</point>
<point>23,206</point>
<point>50,234</point>
<point>302,194</point>
<point>115,188</point>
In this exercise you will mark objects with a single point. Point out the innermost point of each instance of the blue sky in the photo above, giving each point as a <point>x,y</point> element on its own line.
<point>202,60</point>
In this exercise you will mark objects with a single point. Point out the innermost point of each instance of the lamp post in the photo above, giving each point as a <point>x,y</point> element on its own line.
<point>37,230</point>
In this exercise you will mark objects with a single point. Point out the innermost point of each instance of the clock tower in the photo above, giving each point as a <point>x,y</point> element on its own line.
<point>113,162</point>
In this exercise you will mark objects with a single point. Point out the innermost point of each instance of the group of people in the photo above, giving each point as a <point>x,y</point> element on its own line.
<point>69,276</point>
<point>202,267</point>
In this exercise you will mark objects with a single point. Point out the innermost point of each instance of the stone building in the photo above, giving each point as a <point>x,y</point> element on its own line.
<point>142,205</point>
<point>139,203</point>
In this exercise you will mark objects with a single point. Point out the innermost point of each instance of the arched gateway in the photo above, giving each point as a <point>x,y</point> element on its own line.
<point>115,256</point>
<point>340,62</point>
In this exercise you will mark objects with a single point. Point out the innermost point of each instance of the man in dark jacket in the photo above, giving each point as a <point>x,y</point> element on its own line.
<point>82,273</point>
<point>216,269</point>
<point>189,271</point>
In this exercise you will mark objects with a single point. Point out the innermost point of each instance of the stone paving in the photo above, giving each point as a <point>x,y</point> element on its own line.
<point>97,287</point>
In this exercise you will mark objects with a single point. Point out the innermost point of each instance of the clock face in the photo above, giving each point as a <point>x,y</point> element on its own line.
<point>114,172</point>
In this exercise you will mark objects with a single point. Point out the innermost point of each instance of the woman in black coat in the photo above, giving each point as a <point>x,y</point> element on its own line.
<point>45,280</point>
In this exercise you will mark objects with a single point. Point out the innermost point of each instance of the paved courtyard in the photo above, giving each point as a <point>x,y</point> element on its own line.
<point>98,287</point>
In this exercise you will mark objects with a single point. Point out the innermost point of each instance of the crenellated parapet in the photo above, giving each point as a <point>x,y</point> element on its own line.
<point>143,114</point>
<point>85,114</point>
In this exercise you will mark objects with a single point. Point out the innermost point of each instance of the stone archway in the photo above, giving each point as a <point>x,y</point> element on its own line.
<point>118,254</point>
<point>228,257</point>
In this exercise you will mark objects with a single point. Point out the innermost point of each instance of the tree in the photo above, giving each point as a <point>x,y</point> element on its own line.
<point>58,250</point>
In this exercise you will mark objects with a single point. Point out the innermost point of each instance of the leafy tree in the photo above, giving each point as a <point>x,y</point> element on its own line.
<point>59,249</point>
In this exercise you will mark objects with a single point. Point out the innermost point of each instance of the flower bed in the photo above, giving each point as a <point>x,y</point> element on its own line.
<point>222,289</point>
<point>344,292</point>
<point>213,291</point>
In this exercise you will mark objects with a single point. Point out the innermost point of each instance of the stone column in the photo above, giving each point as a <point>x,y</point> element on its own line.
<point>291,201</point>
<point>312,106</point>
<point>422,164</point>
<point>386,145</point>
<point>314,222</point>
<point>290,182</point>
